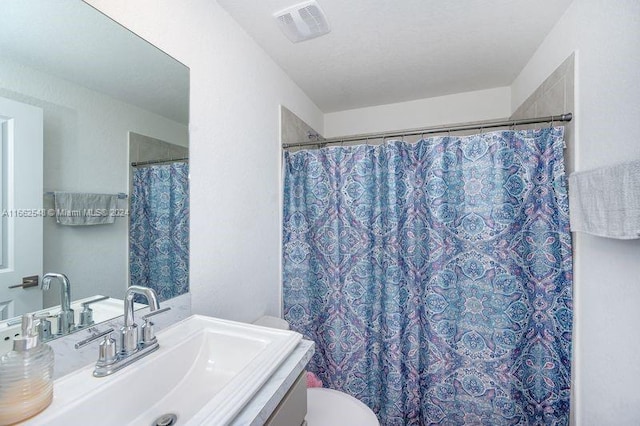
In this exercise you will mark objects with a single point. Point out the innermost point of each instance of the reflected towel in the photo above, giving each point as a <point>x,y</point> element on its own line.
<point>606,202</point>
<point>74,208</point>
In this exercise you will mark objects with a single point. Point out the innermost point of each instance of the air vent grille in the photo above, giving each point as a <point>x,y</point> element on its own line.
<point>303,21</point>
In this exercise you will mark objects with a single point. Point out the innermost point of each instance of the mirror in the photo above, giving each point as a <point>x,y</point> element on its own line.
<point>105,99</point>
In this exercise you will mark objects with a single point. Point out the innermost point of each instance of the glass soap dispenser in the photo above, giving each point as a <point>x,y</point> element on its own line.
<point>26,376</point>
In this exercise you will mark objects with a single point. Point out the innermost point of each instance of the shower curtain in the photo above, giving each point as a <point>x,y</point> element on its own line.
<point>159,229</point>
<point>435,278</point>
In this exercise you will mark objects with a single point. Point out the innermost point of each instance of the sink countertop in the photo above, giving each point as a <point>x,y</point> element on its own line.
<point>68,359</point>
<point>265,401</point>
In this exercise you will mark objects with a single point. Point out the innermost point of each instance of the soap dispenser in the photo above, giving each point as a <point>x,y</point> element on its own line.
<point>26,376</point>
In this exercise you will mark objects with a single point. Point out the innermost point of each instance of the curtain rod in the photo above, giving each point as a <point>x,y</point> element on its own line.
<point>477,125</point>
<point>152,162</point>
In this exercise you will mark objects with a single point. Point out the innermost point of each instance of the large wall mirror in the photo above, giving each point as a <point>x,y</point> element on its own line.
<point>94,165</point>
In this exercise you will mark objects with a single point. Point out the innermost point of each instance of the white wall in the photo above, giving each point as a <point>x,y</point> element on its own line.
<point>606,37</point>
<point>236,90</point>
<point>86,150</point>
<point>458,108</point>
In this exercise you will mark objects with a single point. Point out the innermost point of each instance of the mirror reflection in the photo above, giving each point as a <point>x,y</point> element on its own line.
<point>94,166</point>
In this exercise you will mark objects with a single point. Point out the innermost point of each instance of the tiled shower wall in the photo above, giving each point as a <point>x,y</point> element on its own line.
<point>145,148</point>
<point>555,96</point>
<point>293,129</point>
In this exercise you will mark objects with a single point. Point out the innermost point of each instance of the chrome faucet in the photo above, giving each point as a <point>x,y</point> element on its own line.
<point>129,332</point>
<point>65,318</point>
<point>132,347</point>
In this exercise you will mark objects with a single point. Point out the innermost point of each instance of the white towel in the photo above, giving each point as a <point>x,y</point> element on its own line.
<point>606,202</point>
<point>85,209</point>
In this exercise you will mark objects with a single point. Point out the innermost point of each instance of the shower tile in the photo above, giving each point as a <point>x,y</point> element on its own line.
<point>293,129</point>
<point>565,68</point>
<point>553,101</point>
<point>151,150</point>
<point>176,151</point>
<point>527,109</point>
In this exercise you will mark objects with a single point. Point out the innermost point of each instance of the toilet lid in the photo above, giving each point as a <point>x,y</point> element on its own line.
<point>328,407</point>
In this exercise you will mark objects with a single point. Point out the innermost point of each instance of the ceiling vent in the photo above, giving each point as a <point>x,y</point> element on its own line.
<point>303,21</point>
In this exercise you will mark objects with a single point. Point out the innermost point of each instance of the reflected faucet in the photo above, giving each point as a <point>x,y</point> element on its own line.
<point>65,318</point>
<point>129,333</point>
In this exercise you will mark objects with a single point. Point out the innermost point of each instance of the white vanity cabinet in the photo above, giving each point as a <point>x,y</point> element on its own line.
<point>293,408</point>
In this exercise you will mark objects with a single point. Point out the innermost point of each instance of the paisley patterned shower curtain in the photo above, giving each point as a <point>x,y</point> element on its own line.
<point>159,229</point>
<point>435,278</point>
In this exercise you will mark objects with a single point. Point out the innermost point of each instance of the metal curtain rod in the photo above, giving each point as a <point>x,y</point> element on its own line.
<point>481,125</point>
<point>152,162</point>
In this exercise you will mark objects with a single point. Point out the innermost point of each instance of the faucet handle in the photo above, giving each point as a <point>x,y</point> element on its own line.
<point>86,316</point>
<point>93,338</point>
<point>97,299</point>
<point>156,312</point>
<point>44,326</point>
<point>107,351</point>
<point>148,334</point>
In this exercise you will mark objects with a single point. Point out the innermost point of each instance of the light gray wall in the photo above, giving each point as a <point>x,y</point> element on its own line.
<point>479,105</point>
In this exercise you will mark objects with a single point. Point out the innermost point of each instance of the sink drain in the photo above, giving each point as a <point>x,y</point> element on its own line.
<point>165,420</point>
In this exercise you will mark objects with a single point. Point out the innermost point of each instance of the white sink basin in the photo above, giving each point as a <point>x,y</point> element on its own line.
<point>205,371</point>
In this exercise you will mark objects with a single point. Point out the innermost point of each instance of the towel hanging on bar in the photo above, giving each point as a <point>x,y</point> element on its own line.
<point>606,201</point>
<point>77,209</point>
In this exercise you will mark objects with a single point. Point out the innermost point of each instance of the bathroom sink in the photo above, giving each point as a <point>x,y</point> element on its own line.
<point>205,371</point>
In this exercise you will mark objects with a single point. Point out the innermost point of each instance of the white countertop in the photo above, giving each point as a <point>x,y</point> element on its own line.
<point>263,404</point>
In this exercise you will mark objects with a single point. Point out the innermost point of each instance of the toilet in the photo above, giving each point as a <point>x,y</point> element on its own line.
<point>328,407</point>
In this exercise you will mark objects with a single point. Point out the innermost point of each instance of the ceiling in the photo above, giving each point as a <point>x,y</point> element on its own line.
<point>383,51</point>
<point>71,40</point>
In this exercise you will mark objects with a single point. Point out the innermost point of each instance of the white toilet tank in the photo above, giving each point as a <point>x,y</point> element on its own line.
<point>272,322</point>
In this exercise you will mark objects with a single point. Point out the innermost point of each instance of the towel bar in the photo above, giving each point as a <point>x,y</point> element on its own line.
<point>121,195</point>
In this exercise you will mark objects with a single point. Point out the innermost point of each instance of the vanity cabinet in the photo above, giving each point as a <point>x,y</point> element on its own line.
<point>292,409</point>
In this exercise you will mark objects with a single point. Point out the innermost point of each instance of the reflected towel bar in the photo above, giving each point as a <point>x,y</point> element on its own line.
<point>121,195</point>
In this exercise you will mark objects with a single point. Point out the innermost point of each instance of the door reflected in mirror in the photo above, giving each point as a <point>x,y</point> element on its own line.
<point>107,99</point>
